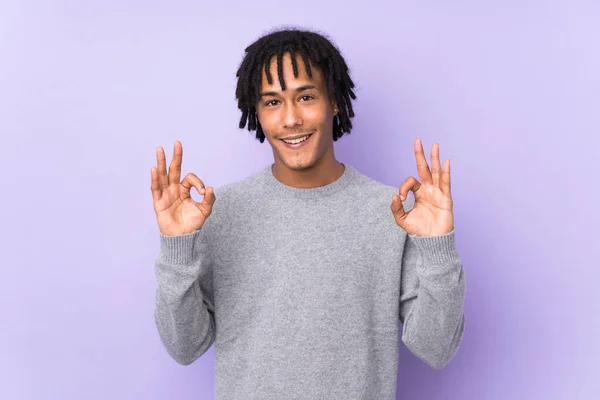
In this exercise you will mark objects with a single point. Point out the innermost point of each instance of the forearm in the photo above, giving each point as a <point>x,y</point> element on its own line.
<point>184,321</point>
<point>434,326</point>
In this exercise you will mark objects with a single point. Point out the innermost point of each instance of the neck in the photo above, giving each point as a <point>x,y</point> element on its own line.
<point>320,174</point>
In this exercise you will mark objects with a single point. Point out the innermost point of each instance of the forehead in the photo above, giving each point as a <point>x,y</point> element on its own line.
<point>290,80</point>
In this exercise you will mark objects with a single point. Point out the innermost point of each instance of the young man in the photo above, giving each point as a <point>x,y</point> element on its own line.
<point>300,273</point>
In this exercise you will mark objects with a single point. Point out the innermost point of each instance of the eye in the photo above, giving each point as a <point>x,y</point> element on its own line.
<point>271,103</point>
<point>306,97</point>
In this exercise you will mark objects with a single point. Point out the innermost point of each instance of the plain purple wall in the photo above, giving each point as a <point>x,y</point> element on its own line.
<point>510,90</point>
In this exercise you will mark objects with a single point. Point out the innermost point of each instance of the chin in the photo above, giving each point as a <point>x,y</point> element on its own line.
<point>299,164</point>
<point>296,165</point>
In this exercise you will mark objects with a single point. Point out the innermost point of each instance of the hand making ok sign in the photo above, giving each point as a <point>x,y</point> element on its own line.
<point>176,212</point>
<point>432,213</point>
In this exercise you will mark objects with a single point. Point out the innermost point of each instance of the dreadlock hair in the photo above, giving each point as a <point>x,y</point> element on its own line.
<point>314,48</point>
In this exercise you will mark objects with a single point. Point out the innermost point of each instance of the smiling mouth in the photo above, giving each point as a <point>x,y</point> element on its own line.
<point>297,140</point>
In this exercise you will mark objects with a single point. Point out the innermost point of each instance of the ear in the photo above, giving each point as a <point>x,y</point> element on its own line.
<point>257,113</point>
<point>336,109</point>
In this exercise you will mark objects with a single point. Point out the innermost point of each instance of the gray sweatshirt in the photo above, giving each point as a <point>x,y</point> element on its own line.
<point>302,291</point>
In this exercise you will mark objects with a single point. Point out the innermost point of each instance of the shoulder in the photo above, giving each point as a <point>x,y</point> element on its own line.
<point>374,208</point>
<point>230,197</point>
<point>376,193</point>
<point>230,192</point>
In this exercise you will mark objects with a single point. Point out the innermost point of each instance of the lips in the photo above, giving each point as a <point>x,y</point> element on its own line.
<point>296,137</point>
<point>298,145</point>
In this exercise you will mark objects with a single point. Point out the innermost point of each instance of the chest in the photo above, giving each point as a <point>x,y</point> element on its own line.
<point>307,259</point>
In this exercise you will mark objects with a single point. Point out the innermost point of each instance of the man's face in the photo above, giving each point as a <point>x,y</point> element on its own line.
<point>304,108</point>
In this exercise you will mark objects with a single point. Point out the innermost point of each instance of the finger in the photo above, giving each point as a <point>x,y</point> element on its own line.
<point>175,167</point>
<point>161,162</point>
<point>191,180</point>
<point>445,180</point>
<point>155,186</point>
<point>409,184</point>
<point>422,166</point>
<point>435,164</point>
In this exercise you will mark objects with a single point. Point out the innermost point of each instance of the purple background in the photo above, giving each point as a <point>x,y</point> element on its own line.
<point>510,90</point>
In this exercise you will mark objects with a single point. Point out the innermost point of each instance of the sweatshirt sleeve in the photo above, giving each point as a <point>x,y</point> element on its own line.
<point>432,298</point>
<point>184,312</point>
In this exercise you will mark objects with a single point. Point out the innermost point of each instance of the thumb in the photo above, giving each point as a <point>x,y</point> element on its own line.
<point>209,196</point>
<point>397,207</point>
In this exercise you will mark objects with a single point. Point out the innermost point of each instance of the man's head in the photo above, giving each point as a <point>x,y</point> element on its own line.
<point>294,83</point>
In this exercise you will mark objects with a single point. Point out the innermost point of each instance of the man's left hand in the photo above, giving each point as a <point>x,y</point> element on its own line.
<point>432,213</point>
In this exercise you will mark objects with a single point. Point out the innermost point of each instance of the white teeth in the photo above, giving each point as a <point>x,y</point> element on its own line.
<point>296,141</point>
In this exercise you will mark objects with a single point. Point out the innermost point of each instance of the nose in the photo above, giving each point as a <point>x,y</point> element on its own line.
<point>291,116</point>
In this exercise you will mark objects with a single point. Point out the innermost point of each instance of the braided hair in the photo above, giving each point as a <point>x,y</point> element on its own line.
<point>313,48</point>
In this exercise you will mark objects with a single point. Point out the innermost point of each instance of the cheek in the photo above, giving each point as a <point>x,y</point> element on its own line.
<point>266,121</point>
<point>317,117</point>
<point>313,117</point>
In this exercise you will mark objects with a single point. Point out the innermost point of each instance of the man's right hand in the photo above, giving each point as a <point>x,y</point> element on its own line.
<point>177,213</point>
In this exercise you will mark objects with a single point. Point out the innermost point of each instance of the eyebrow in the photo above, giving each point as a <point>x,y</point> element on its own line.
<point>298,89</point>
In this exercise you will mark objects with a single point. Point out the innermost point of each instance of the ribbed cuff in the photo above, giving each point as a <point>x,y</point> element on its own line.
<point>178,249</point>
<point>437,250</point>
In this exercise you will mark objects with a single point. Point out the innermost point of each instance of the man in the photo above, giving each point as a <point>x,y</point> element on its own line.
<point>300,273</point>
